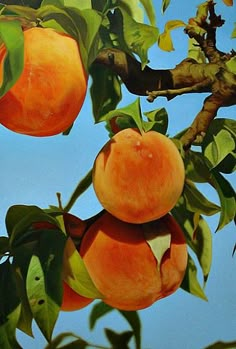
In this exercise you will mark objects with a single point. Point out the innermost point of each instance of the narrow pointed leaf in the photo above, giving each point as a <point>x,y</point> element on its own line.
<point>12,36</point>
<point>157,121</point>
<point>9,307</point>
<point>165,4</point>
<point>150,11</point>
<point>75,273</point>
<point>197,202</point>
<point>190,282</point>
<point>227,199</point>
<point>105,91</point>
<point>99,310</point>
<point>132,111</point>
<point>134,321</point>
<point>82,186</point>
<point>44,309</point>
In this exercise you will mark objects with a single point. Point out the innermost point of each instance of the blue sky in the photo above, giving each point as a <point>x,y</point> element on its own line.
<point>34,169</point>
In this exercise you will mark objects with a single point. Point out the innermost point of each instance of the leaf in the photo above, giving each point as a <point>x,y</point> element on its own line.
<point>7,331</point>
<point>12,36</point>
<point>228,2</point>
<point>132,110</point>
<point>133,36</point>
<point>25,319</point>
<point>31,3</point>
<point>150,11</point>
<point>75,273</point>
<point>222,345</point>
<point>195,52</point>
<point>165,4</point>
<point>227,198</point>
<point>222,144</point>
<point>196,168</point>
<point>157,121</point>
<point>9,307</point>
<point>197,202</point>
<point>134,321</point>
<point>159,244</point>
<point>190,282</point>
<point>132,7</point>
<point>44,309</point>
<point>81,187</point>
<point>219,145</point>
<point>118,340</point>
<point>105,90</point>
<point>4,245</point>
<point>99,310</point>
<point>88,22</point>
<point>20,217</point>
<point>233,35</point>
<point>197,234</point>
<point>165,41</point>
<point>231,65</point>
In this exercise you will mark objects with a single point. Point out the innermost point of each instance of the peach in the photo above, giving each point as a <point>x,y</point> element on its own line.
<point>138,177</point>
<point>122,265</point>
<point>50,92</point>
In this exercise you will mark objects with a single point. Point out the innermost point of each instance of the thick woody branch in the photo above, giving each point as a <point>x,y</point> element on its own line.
<point>202,121</point>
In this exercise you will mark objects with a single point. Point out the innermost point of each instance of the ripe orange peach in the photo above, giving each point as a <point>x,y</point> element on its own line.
<point>50,92</point>
<point>123,266</point>
<point>138,177</point>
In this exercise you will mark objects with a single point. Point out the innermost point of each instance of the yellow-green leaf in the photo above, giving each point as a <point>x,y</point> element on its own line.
<point>75,273</point>
<point>165,41</point>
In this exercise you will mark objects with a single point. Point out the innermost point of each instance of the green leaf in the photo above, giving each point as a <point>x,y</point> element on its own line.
<point>88,22</point>
<point>132,110</point>
<point>20,217</point>
<point>150,11</point>
<point>157,121</point>
<point>134,321</point>
<point>9,307</point>
<point>4,245</point>
<point>222,144</point>
<point>25,319</point>
<point>118,340</point>
<point>233,35</point>
<point>219,145</point>
<point>99,310</point>
<point>132,7</point>
<point>105,90</point>
<point>222,345</point>
<point>231,65</point>
<point>24,11</point>
<point>196,168</point>
<point>75,273</point>
<point>165,4</point>
<point>133,36</point>
<point>30,3</point>
<point>190,282</point>
<point>197,234</point>
<point>7,331</point>
<point>139,37</point>
<point>12,36</point>
<point>81,187</point>
<point>197,202</point>
<point>227,198</point>
<point>44,309</point>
